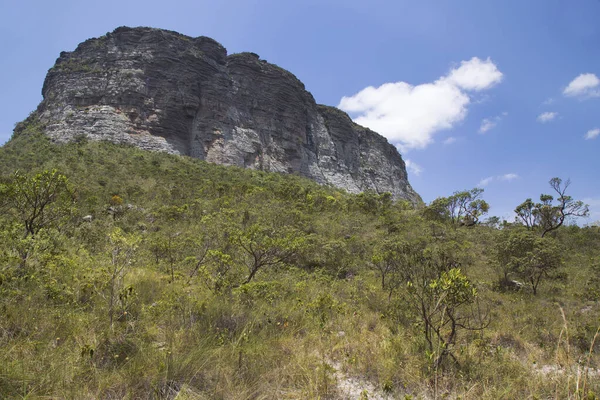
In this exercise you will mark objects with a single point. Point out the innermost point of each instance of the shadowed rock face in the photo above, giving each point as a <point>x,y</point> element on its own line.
<point>160,90</point>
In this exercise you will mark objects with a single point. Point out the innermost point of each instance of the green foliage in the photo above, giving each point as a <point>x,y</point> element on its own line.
<point>373,203</point>
<point>440,295</point>
<point>72,65</point>
<point>527,256</point>
<point>462,208</point>
<point>122,249</point>
<point>546,217</point>
<point>592,286</point>
<point>204,281</point>
<point>40,201</point>
<point>263,247</point>
<point>395,259</point>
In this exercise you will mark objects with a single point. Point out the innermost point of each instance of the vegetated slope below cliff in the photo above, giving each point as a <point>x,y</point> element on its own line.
<point>322,324</point>
<point>160,90</point>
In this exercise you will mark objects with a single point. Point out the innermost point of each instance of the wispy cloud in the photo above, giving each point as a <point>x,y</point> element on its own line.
<point>583,86</point>
<point>486,125</point>
<point>506,178</point>
<point>490,123</point>
<point>413,167</point>
<point>410,115</point>
<point>485,181</point>
<point>547,116</point>
<point>592,134</point>
<point>449,140</point>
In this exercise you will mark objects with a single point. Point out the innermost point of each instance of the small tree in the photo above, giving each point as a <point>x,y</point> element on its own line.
<point>527,256</point>
<point>393,259</point>
<point>4,194</point>
<point>266,247</point>
<point>462,208</point>
<point>216,271</point>
<point>492,222</point>
<point>548,217</point>
<point>443,302</point>
<point>39,201</point>
<point>526,213</point>
<point>438,210</point>
<point>123,247</point>
<point>374,203</point>
<point>170,247</point>
<point>385,261</point>
<point>440,294</point>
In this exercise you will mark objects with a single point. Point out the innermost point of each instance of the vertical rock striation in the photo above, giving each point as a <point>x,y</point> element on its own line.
<point>160,90</point>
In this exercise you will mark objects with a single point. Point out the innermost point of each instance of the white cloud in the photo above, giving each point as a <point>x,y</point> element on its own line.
<point>409,115</point>
<point>585,85</point>
<point>450,140</point>
<point>475,74</point>
<point>486,125</point>
<point>548,101</point>
<point>592,133</point>
<point>413,167</point>
<point>485,181</point>
<point>490,123</point>
<point>547,116</point>
<point>508,177</point>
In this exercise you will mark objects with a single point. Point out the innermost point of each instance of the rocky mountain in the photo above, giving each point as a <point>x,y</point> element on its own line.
<point>160,90</point>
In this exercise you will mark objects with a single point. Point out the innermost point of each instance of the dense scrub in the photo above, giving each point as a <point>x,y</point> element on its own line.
<point>156,276</point>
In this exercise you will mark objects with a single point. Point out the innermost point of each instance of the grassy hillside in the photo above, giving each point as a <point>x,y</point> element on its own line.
<point>155,276</point>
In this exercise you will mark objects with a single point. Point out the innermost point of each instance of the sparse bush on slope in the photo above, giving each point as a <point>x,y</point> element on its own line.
<point>201,281</point>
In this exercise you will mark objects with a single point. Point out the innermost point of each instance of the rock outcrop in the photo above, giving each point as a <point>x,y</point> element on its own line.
<point>160,90</point>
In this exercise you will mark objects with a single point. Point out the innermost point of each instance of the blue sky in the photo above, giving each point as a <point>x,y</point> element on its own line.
<point>494,93</point>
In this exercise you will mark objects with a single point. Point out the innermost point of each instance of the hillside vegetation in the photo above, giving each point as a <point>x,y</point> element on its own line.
<point>127,274</point>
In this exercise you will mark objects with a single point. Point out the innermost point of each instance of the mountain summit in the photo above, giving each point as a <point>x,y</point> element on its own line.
<point>161,90</point>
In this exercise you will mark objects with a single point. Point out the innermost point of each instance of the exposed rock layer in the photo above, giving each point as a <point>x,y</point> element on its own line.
<point>160,90</point>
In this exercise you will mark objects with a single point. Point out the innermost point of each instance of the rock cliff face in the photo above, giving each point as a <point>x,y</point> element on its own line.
<point>160,90</point>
